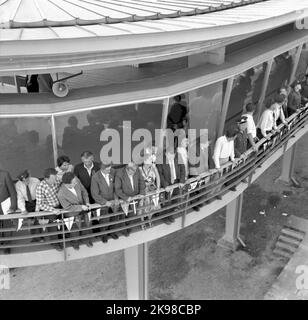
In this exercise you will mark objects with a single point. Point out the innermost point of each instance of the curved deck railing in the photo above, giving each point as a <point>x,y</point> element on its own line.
<point>176,201</point>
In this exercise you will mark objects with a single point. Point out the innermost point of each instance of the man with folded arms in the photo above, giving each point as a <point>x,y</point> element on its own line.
<point>103,193</point>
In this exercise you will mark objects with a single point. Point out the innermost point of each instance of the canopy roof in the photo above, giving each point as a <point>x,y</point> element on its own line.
<point>44,13</point>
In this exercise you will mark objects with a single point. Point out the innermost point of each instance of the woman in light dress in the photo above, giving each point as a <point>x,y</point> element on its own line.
<point>152,183</point>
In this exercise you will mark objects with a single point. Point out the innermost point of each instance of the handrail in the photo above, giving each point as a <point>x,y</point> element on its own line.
<point>229,175</point>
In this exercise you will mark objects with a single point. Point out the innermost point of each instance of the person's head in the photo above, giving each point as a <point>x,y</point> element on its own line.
<point>177,98</point>
<point>63,162</point>
<point>50,175</point>
<point>87,158</point>
<point>131,168</point>
<point>283,91</point>
<point>231,133</point>
<point>69,179</point>
<point>24,176</point>
<point>242,123</point>
<point>296,86</point>
<point>72,121</point>
<point>106,167</point>
<point>279,98</point>
<point>250,107</point>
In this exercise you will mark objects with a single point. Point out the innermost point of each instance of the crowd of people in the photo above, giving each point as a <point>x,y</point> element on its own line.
<point>98,198</point>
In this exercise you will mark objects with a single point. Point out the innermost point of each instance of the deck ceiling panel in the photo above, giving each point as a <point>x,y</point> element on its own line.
<point>42,13</point>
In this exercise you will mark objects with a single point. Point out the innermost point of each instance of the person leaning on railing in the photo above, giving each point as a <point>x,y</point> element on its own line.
<point>7,194</point>
<point>26,197</point>
<point>152,183</point>
<point>294,98</point>
<point>267,122</point>
<point>224,148</point>
<point>47,200</point>
<point>304,90</point>
<point>74,197</point>
<point>278,110</point>
<point>103,193</point>
<point>251,126</point>
<point>171,172</point>
<point>129,183</point>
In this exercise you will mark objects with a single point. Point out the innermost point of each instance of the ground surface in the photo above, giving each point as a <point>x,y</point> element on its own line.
<point>187,264</point>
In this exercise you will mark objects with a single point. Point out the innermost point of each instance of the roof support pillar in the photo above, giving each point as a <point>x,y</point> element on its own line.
<point>136,269</point>
<point>288,161</point>
<point>233,222</point>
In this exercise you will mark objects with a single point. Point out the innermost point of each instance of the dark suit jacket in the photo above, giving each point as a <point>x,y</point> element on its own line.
<point>165,173</point>
<point>69,201</point>
<point>82,174</point>
<point>7,190</point>
<point>123,188</point>
<point>100,190</point>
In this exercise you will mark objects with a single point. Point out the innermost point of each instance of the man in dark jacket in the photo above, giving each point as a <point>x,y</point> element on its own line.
<point>129,183</point>
<point>7,194</point>
<point>171,172</point>
<point>102,190</point>
<point>240,142</point>
<point>85,170</point>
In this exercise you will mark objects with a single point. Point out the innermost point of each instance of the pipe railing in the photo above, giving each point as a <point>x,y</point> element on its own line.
<point>154,207</point>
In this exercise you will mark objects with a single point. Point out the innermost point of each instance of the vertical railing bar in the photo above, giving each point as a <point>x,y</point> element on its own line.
<point>264,87</point>
<point>225,106</point>
<point>54,140</point>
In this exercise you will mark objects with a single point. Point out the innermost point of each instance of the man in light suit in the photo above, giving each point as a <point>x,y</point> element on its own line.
<point>129,183</point>
<point>74,197</point>
<point>102,190</point>
<point>7,190</point>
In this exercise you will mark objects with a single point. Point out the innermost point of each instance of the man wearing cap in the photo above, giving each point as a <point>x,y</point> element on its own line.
<point>240,142</point>
<point>129,183</point>
<point>102,190</point>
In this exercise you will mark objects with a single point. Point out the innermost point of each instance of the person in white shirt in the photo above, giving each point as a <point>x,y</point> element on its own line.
<point>183,154</point>
<point>224,148</point>
<point>267,123</point>
<point>26,198</point>
<point>278,109</point>
<point>26,191</point>
<point>251,126</point>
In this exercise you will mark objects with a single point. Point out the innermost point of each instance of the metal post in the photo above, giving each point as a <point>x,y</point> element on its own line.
<point>264,88</point>
<point>54,140</point>
<point>163,125</point>
<point>233,223</point>
<point>296,61</point>
<point>136,269</point>
<point>225,107</point>
<point>288,165</point>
